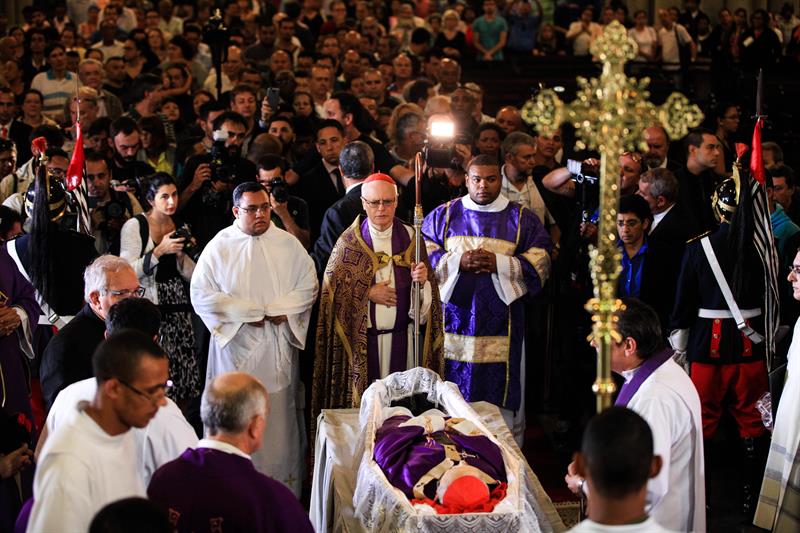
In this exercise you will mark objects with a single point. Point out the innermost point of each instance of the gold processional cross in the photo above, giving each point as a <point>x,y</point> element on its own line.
<point>610,114</point>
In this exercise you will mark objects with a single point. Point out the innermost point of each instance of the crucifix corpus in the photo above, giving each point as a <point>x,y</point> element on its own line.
<point>610,114</point>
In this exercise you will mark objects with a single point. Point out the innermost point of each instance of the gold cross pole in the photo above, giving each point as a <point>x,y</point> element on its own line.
<point>610,114</point>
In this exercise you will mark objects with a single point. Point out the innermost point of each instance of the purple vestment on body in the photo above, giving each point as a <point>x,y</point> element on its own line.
<point>207,490</point>
<point>405,454</point>
<point>483,335</point>
<point>15,378</point>
<point>402,281</point>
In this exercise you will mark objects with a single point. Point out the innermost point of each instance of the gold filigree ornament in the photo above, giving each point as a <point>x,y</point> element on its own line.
<point>610,114</point>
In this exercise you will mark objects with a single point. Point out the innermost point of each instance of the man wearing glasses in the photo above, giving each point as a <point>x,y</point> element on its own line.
<point>68,356</point>
<point>90,460</point>
<point>368,280</point>
<point>254,286</point>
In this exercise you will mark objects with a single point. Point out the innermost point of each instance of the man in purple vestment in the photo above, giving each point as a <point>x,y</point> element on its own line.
<point>215,487</point>
<point>488,254</point>
<point>19,314</point>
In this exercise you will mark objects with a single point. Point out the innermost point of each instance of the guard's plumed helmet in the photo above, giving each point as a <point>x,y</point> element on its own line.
<point>725,199</point>
<point>56,199</point>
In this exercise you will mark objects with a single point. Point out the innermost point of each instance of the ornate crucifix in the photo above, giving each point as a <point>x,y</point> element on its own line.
<point>610,114</point>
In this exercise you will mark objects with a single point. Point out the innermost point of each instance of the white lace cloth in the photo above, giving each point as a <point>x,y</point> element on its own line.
<point>345,446</point>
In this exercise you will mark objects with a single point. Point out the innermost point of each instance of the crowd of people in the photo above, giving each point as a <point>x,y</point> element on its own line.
<point>249,258</point>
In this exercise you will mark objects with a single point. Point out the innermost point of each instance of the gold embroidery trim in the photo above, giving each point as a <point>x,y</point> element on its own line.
<point>468,349</point>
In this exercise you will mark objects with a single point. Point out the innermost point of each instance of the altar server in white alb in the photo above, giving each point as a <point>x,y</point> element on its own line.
<point>659,391</point>
<point>91,459</point>
<point>254,286</point>
<point>779,502</point>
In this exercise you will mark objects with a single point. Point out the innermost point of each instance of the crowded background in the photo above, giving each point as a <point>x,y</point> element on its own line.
<point>302,91</point>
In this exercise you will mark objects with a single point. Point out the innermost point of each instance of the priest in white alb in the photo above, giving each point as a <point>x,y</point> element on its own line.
<point>365,325</point>
<point>254,286</point>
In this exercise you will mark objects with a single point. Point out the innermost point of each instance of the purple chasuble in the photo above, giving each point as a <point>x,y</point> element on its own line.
<point>402,282</point>
<point>15,380</point>
<point>208,490</point>
<point>646,369</point>
<point>483,335</point>
<point>405,454</point>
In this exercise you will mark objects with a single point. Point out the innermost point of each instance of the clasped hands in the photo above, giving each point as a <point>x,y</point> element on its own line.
<point>381,293</point>
<point>9,320</point>
<point>478,261</point>
<point>274,320</point>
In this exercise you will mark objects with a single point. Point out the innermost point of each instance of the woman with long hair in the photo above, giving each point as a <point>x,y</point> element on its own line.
<point>156,150</point>
<point>157,44</point>
<point>155,243</point>
<point>726,118</point>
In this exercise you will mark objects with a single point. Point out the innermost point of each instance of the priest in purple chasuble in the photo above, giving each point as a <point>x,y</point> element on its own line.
<point>19,315</point>
<point>366,320</point>
<point>488,255</point>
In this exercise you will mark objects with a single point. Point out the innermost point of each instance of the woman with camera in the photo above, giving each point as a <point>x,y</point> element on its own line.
<point>161,251</point>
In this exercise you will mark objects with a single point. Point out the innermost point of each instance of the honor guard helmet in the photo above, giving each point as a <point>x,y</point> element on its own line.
<point>724,200</point>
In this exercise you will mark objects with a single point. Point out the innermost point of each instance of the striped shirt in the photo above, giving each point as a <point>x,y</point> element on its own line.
<point>56,92</point>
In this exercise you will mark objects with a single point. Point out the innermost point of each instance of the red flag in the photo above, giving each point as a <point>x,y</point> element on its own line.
<point>75,169</point>
<point>756,158</point>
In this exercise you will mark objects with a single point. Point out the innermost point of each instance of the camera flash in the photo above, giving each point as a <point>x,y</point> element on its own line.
<point>442,129</point>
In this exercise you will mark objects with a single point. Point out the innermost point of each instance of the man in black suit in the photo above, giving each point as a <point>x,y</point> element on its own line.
<point>13,129</point>
<point>322,185</point>
<point>672,225</point>
<point>697,178</point>
<point>356,163</point>
<point>68,356</point>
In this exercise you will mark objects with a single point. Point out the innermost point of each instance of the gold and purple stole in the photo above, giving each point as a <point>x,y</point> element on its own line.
<point>402,280</point>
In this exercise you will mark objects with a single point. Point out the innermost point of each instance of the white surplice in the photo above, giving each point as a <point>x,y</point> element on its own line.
<point>385,316</point>
<point>81,469</point>
<point>668,401</point>
<point>785,441</point>
<point>164,438</point>
<point>239,279</point>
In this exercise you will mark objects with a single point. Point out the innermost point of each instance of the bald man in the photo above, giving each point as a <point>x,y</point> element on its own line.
<point>234,409</point>
<point>509,119</point>
<point>369,280</point>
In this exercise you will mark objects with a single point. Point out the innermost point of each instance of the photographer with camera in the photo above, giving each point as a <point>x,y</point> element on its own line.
<point>163,252</point>
<point>127,172</point>
<point>209,179</point>
<point>109,209</point>
<point>289,212</point>
<point>443,172</point>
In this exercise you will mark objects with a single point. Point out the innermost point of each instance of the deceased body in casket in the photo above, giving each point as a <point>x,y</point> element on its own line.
<point>435,467</point>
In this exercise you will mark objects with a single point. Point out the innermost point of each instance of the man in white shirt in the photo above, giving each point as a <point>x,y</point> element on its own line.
<point>672,37</point>
<point>168,434</point>
<point>91,460</point>
<point>659,390</point>
<point>616,460</point>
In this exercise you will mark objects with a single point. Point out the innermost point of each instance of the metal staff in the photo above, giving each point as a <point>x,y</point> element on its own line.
<point>416,287</point>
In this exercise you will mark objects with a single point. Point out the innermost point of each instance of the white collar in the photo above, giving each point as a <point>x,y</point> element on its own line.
<point>663,163</point>
<point>658,217</point>
<point>500,203</point>
<point>628,374</point>
<point>351,187</point>
<point>222,447</point>
<point>328,167</point>
<point>380,234</point>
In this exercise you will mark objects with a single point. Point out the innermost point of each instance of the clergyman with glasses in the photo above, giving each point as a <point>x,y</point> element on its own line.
<point>68,356</point>
<point>366,316</point>
<point>254,286</point>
